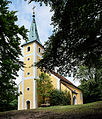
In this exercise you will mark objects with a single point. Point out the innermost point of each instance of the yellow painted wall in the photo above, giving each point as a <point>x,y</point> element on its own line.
<point>54,81</point>
<point>38,46</point>
<point>31,49</point>
<point>79,100</point>
<point>63,88</point>
<point>28,70</point>
<point>38,70</point>
<point>28,95</point>
<point>28,63</point>
<point>38,58</point>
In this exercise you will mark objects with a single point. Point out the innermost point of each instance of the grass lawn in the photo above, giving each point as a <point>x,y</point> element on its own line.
<point>84,111</point>
<point>75,108</point>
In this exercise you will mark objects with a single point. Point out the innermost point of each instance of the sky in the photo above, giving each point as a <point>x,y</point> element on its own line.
<point>43,21</point>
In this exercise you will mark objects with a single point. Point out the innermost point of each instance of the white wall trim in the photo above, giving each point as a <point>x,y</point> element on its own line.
<point>28,55</point>
<point>22,84</point>
<point>30,77</point>
<point>58,82</point>
<point>39,55</point>
<point>34,94</point>
<point>34,76</point>
<point>37,77</point>
<point>34,60</point>
<point>18,96</point>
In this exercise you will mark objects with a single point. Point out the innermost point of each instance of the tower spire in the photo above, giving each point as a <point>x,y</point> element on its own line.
<point>34,14</point>
<point>33,34</point>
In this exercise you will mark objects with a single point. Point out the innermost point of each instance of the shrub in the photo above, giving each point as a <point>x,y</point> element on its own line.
<point>59,97</point>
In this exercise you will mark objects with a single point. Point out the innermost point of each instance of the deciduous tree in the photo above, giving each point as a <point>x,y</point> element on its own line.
<point>77,36</point>
<point>91,83</point>
<point>44,86</point>
<point>10,39</point>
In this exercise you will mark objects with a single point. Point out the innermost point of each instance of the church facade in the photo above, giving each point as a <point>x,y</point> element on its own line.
<point>32,53</point>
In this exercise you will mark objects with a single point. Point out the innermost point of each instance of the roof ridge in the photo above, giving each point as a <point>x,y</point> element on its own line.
<point>63,79</point>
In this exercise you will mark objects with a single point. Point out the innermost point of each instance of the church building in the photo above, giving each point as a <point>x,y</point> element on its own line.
<point>32,53</point>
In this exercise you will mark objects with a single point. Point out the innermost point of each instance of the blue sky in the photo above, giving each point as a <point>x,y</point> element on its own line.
<point>43,21</point>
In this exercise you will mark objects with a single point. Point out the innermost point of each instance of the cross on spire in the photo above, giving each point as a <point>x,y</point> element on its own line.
<point>33,13</point>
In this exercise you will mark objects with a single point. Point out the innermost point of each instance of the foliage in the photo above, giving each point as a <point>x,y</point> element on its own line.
<point>91,84</point>
<point>10,39</point>
<point>77,36</point>
<point>44,86</point>
<point>59,97</point>
<point>13,104</point>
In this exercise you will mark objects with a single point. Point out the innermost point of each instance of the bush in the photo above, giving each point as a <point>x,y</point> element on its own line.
<point>59,97</point>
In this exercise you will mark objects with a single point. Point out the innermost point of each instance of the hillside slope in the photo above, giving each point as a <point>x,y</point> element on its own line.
<point>85,111</point>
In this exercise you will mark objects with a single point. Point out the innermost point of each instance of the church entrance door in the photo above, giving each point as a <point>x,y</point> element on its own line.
<point>28,104</point>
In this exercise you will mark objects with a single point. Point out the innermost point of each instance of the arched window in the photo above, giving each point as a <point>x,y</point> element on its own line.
<point>39,50</point>
<point>74,100</point>
<point>28,48</point>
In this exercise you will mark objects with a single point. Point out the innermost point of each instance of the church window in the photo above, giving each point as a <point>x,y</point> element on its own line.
<point>28,58</point>
<point>28,89</point>
<point>28,48</point>
<point>39,50</point>
<point>28,73</point>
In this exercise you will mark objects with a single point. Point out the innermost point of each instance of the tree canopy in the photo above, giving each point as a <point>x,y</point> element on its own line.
<point>10,39</point>
<point>77,35</point>
<point>91,83</point>
<point>44,86</point>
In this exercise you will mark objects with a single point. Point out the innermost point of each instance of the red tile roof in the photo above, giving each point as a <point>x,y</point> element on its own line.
<point>63,79</point>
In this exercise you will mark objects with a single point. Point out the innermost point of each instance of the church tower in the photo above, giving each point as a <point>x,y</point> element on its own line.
<point>32,52</point>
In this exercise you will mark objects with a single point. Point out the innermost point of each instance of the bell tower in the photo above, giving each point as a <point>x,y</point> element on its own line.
<point>32,52</point>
